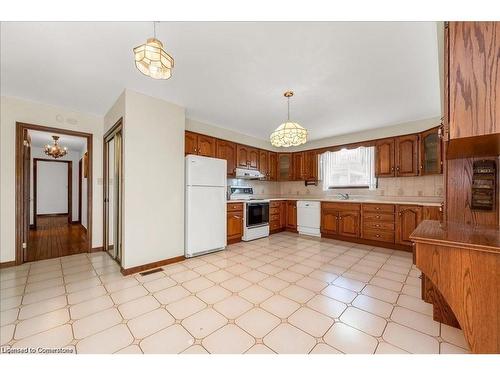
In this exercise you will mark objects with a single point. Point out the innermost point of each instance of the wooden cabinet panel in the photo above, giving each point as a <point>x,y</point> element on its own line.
<point>474,78</point>
<point>264,163</point>
<point>234,207</point>
<point>349,223</point>
<point>375,216</point>
<point>376,207</point>
<point>432,213</point>
<point>242,156</point>
<point>273,166</point>
<point>206,146</point>
<point>291,215</point>
<point>377,235</point>
<point>406,156</point>
<point>283,214</point>
<point>341,206</point>
<point>298,166</point>
<point>310,165</point>
<point>329,220</point>
<point>407,219</point>
<point>227,150</point>
<point>234,226</point>
<point>285,167</point>
<point>384,158</point>
<point>190,143</point>
<point>253,158</point>
<point>430,152</point>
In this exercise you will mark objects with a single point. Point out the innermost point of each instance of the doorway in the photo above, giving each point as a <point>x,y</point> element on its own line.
<point>50,230</point>
<point>113,191</point>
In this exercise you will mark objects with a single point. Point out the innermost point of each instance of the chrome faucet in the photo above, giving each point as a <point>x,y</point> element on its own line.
<point>343,196</point>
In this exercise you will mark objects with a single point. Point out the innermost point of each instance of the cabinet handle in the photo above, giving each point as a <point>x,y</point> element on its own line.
<point>377,208</point>
<point>378,216</point>
<point>392,169</point>
<point>440,132</point>
<point>377,235</point>
<point>237,217</point>
<point>397,168</point>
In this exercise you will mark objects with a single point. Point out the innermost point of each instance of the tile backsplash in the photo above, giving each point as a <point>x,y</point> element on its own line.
<point>420,186</point>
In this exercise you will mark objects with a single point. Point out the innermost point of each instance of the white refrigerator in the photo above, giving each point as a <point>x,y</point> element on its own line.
<point>205,229</point>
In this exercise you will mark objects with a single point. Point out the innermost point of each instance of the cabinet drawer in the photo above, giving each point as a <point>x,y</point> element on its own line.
<point>381,225</point>
<point>341,206</point>
<point>375,207</point>
<point>274,210</point>
<point>275,217</point>
<point>374,216</point>
<point>378,235</point>
<point>274,204</point>
<point>234,207</point>
<point>273,225</point>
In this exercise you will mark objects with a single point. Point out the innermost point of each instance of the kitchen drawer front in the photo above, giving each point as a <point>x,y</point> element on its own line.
<point>375,207</point>
<point>341,206</point>
<point>377,217</point>
<point>275,217</point>
<point>378,235</point>
<point>380,225</point>
<point>274,211</point>
<point>234,207</point>
<point>274,204</point>
<point>273,225</point>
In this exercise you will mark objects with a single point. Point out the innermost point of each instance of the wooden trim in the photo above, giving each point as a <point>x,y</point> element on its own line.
<point>70,188</point>
<point>96,249</point>
<point>19,212</point>
<point>12,263</point>
<point>233,241</point>
<point>52,215</point>
<point>148,266</point>
<point>387,245</point>
<point>80,181</point>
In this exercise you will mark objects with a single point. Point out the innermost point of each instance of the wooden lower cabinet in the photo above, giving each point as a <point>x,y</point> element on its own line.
<point>234,222</point>
<point>343,219</point>
<point>283,206</point>
<point>329,218</point>
<point>407,219</point>
<point>378,222</point>
<point>291,215</point>
<point>349,223</point>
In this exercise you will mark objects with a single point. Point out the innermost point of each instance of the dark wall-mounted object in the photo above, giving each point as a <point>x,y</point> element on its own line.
<point>484,185</point>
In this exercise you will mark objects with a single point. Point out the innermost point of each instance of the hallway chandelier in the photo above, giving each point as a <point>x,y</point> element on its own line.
<point>55,150</point>
<point>152,60</point>
<point>289,133</point>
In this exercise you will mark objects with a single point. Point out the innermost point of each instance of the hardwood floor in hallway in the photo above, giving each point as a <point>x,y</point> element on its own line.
<point>54,237</point>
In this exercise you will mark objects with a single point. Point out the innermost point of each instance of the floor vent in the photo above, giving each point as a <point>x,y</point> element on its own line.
<point>145,273</point>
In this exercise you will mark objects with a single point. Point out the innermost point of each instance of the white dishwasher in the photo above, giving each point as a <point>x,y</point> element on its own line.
<point>309,217</point>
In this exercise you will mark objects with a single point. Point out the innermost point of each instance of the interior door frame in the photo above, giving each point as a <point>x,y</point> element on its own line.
<point>117,127</point>
<point>22,195</point>
<point>70,187</point>
<point>80,172</point>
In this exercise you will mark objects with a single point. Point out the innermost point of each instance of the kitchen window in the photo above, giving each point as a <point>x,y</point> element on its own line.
<point>354,168</point>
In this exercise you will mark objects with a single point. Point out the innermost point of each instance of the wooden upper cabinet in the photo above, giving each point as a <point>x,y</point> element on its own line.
<point>227,150</point>
<point>473,78</point>
<point>311,165</point>
<point>199,144</point>
<point>247,157</point>
<point>384,158</point>
<point>190,143</point>
<point>406,155</point>
<point>264,163</point>
<point>273,166</point>
<point>298,166</point>
<point>285,167</point>
<point>407,219</point>
<point>206,146</point>
<point>430,152</point>
<point>349,223</point>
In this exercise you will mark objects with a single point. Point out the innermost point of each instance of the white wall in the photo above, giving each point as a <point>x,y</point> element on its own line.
<point>15,109</point>
<point>52,187</point>
<point>153,181</point>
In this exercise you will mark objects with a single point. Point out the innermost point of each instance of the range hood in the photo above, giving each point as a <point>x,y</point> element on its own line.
<point>248,174</point>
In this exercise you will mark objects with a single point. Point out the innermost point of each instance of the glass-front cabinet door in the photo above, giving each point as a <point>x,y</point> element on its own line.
<point>430,152</point>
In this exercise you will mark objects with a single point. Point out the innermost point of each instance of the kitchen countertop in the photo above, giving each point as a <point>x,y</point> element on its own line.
<point>436,202</point>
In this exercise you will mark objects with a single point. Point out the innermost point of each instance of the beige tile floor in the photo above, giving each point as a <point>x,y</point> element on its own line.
<point>281,294</point>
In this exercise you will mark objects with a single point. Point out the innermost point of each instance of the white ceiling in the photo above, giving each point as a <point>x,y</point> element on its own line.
<point>40,139</point>
<point>347,76</point>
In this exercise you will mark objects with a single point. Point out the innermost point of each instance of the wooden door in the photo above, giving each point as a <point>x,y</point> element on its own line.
<point>407,219</point>
<point>329,219</point>
<point>298,166</point>
<point>406,156</point>
<point>242,156</point>
<point>474,78</point>
<point>283,214</point>
<point>291,215</point>
<point>310,165</point>
<point>264,163</point>
<point>273,166</point>
<point>349,223</point>
<point>227,150</point>
<point>285,167</point>
<point>206,146</point>
<point>190,143</point>
<point>253,158</point>
<point>384,158</point>
<point>430,146</point>
<point>234,225</point>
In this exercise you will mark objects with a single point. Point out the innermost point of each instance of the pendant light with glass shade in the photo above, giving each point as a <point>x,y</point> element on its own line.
<point>152,60</point>
<point>289,133</point>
